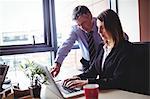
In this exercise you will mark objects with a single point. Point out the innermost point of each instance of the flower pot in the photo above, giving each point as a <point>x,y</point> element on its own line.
<point>35,91</point>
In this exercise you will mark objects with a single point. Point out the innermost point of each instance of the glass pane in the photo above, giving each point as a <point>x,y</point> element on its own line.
<point>21,22</point>
<point>14,61</point>
<point>63,11</point>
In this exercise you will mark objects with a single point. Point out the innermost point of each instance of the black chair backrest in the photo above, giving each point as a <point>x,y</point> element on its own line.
<point>139,72</point>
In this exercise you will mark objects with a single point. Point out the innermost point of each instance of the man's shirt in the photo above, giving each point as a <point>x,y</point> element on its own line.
<point>79,35</point>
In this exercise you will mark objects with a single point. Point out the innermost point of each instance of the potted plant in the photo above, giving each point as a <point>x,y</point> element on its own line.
<point>36,75</point>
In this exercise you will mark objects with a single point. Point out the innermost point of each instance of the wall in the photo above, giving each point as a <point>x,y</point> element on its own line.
<point>144,13</point>
<point>149,18</point>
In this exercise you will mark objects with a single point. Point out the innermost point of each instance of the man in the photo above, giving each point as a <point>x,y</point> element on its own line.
<point>86,24</point>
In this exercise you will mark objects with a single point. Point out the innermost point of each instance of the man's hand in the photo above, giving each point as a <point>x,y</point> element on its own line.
<point>55,70</point>
<point>74,82</point>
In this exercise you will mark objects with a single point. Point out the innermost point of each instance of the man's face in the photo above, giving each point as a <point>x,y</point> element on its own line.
<point>85,22</point>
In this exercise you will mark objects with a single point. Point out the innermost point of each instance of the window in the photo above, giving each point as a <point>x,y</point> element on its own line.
<point>23,28</point>
<point>22,22</point>
<point>14,61</point>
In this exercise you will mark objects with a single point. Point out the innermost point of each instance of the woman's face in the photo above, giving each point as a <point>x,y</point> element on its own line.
<point>102,31</point>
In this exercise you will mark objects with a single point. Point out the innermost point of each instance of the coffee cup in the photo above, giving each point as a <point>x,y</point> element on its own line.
<point>91,91</point>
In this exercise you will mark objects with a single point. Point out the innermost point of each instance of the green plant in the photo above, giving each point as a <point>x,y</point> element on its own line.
<point>34,72</point>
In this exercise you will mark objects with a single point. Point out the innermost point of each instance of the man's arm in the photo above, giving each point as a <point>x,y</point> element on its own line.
<point>65,48</point>
<point>62,52</point>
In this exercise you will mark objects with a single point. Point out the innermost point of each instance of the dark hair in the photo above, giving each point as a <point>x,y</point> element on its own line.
<point>80,10</point>
<point>112,24</point>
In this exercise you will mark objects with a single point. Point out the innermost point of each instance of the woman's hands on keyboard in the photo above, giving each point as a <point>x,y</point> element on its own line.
<point>74,82</point>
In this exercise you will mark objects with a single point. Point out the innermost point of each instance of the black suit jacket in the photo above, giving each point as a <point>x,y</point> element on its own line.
<point>116,66</point>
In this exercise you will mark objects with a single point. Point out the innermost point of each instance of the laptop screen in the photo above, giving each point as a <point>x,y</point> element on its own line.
<point>53,87</point>
<point>3,72</point>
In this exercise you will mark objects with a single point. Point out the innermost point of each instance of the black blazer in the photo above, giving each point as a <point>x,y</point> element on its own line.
<point>116,65</point>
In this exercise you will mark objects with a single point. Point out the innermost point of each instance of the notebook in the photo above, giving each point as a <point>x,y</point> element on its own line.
<point>3,72</point>
<point>58,90</point>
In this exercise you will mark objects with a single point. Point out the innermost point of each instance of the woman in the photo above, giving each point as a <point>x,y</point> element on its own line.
<point>110,69</point>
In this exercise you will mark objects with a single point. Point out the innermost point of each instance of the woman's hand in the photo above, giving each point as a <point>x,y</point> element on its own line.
<point>74,82</point>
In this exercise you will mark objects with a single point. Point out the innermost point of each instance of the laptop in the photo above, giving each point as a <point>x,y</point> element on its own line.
<point>3,72</point>
<point>58,89</point>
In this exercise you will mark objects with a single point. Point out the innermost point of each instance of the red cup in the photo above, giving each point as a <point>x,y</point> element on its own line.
<point>91,91</point>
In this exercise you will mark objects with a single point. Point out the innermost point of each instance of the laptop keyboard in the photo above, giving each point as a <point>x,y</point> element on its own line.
<point>65,89</point>
<point>70,90</point>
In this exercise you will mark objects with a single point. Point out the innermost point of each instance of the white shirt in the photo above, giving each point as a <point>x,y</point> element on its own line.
<point>107,50</point>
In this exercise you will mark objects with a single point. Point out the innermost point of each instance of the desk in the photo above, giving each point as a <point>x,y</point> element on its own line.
<point>104,94</point>
<point>109,94</point>
<point>119,94</point>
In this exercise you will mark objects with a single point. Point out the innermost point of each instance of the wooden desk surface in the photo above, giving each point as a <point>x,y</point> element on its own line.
<point>109,94</point>
<point>104,94</point>
<point>119,94</point>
